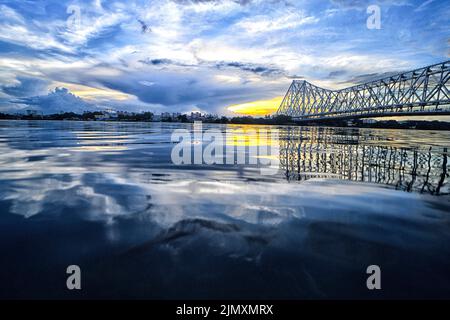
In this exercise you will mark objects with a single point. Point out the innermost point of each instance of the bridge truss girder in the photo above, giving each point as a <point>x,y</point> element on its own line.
<point>421,91</point>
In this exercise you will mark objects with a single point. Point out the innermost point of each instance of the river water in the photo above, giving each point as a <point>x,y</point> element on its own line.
<point>106,196</point>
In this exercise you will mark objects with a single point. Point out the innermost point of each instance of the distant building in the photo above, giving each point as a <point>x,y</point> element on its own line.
<point>165,116</point>
<point>110,111</point>
<point>34,113</point>
<point>211,117</point>
<point>101,117</point>
<point>195,116</point>
<point>108,114</point>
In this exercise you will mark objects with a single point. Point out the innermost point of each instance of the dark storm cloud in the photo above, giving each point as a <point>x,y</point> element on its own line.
<point>163,62</point>
<point>336,74</point>
<point>156,62</point>
<point>144,26</point>
<point>258,69</point>
<point>167,89</point>
<point>247,67</point>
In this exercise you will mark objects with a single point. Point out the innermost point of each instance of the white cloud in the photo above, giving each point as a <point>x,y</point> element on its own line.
<point>59,100</point>
<point>8,14</point>
<point>16,30</point>
<point>423,5</point>
<point>208,48</point>
<point>91,26</point>
<point>283,20</point>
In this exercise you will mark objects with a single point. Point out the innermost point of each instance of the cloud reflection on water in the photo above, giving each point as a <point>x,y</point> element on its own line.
<point>150,210</point>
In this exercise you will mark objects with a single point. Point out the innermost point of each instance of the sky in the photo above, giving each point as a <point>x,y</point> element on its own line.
<point>215,56</point>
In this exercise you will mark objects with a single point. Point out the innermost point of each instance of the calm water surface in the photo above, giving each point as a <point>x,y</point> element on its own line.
<point>106,197</point>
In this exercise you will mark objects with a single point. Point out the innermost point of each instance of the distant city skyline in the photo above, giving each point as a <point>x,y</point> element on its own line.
<point>219,57</point>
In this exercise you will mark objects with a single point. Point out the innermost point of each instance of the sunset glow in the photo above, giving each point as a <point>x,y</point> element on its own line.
<point>257,108</point>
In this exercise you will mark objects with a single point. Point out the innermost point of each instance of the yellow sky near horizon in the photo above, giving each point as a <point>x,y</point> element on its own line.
<point>269,106</point>
<point>257,108</point>
<point>92,93</point>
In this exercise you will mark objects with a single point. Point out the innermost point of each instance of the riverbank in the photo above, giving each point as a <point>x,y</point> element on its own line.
<point>277,120</point>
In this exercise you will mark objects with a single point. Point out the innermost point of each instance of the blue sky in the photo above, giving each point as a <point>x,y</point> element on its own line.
<point>186,55</point>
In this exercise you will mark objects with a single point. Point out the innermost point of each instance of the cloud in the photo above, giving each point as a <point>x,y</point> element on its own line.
<point>184,2</point>
<point>16,29</point>
<point>144,27</point>
<point>204,54</point>
<point>282,20</point>
<point>254,68</point>
<point>26,86</point>
<point>91,25</point>
<point>162,62</point>
<point>337,73</point>
<point>157,61</point>
<point>363,4</point>
<point>10,15</point>
<point>219,65</point>
<point>363,78</point>
<point>59,100</point>
<point>424,5</point>
<point>351,3</point>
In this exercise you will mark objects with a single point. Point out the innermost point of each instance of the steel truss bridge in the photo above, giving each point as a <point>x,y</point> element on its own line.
<point>424,91</point>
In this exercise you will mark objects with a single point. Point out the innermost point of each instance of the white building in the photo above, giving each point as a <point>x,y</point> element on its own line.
<point>369,121</point>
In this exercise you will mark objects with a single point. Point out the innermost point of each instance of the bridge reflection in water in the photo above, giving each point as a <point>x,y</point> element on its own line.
<point>307,152</point>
